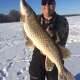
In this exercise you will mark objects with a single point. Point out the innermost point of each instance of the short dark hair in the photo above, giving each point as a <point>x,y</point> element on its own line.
<point>44,2</point>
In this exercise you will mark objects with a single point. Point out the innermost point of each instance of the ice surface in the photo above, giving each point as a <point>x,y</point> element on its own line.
<point>15,56</point>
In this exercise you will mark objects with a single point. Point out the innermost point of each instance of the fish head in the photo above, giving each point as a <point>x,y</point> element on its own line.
<point>25,11</point>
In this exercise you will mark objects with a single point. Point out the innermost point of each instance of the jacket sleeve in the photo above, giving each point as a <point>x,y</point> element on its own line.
<point>63,31</point>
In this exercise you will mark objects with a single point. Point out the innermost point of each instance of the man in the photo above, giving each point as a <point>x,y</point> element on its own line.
<point>57,28</point>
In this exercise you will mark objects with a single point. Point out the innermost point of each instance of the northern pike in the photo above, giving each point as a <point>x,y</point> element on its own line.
<point>41,40</point>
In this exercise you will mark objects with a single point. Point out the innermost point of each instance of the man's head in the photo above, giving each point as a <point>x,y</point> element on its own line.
<point>48,7</point>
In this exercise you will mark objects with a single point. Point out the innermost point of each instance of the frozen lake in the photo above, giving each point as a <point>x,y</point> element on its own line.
<point>15,56</point>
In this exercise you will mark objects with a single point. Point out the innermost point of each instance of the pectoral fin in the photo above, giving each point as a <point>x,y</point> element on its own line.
<point>65,52</point>
<point>28,42</point>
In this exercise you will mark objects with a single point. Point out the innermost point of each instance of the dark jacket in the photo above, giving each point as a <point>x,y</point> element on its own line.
<point>57,28</point>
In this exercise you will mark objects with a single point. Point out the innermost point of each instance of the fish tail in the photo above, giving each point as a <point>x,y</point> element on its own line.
<point>66,75</point>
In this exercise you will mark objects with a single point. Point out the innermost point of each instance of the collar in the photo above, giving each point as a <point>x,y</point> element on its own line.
<point>43,20</point>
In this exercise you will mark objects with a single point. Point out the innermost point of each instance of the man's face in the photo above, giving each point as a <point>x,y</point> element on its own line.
<point>48,10</point>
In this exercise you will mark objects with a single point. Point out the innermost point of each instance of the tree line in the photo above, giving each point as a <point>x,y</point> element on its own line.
<point>13,16</point>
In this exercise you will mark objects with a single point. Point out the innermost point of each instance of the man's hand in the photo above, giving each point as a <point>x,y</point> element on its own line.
<point>50,31</point>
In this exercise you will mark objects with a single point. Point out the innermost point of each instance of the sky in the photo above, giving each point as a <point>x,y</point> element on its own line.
<point>62,6</point>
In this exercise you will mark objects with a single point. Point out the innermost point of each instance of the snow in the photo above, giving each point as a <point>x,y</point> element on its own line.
<point>15,56</point>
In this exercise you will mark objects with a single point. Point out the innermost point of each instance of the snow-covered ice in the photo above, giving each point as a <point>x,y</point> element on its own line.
<point>15,56</point>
